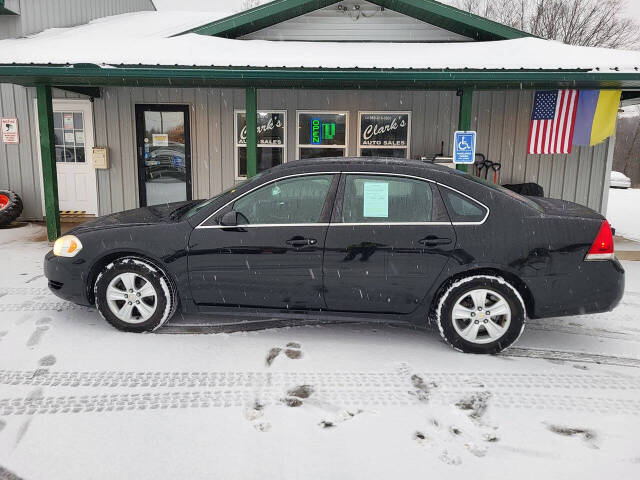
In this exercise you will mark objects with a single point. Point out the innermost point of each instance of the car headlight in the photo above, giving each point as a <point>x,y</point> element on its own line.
<point>67,246</point>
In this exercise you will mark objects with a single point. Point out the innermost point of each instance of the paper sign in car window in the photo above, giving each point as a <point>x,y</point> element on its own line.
<point>376,199</point>
<point>160,139</point>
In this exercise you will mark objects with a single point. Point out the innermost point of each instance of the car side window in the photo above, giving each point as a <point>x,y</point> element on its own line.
<point>462,208</point>
<point>386,199</point>
<point>292,200</point>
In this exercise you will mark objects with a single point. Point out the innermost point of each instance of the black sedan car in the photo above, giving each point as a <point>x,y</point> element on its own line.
<point>386,239</point>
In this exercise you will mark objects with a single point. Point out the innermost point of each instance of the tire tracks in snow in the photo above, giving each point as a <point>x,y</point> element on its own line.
<point>347,398</point>
<point>41,307</point>
<point>603,394</point>
<point>571,356</point>
<point>372,380</point>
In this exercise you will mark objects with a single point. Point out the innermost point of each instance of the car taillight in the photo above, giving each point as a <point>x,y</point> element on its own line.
<point>602,248</point>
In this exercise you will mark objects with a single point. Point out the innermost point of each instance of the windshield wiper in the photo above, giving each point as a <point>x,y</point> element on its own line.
<point>180,210</point>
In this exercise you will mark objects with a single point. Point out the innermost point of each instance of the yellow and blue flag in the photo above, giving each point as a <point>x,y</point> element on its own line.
<point>596,117</point>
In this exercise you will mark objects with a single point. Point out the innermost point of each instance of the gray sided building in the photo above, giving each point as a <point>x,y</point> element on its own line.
<point>173,132</point>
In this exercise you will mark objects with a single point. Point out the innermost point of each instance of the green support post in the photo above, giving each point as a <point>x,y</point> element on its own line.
<point>252,134</point>
<point>464,117</point>
<point>48,156</point>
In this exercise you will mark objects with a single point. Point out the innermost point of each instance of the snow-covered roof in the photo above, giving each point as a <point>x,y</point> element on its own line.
<point>146,38</point>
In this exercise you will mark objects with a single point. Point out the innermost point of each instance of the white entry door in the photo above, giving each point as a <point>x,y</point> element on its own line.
<point>73,132</point>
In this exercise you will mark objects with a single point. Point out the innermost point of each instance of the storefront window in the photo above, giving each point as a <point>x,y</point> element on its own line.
<point>322,134</point>
<point>272,127</point>
<point>384,134</point>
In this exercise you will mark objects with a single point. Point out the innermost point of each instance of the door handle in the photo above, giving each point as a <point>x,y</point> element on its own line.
<point>301,241</point>
<point>433,241</point>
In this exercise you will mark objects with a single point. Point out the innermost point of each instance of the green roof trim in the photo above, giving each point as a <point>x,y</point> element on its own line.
<point>259,17</point>
<point>229,77</point>
<point>430,11</point>
<point>5,11</point>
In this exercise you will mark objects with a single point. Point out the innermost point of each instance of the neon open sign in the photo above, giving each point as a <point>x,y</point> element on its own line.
<point>321,130</point>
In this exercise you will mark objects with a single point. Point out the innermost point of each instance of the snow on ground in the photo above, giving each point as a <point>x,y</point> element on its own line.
<point>79,399</point>
<point>622,212</point>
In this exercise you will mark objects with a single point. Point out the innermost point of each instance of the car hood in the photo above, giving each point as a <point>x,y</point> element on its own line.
<point>138,216</point>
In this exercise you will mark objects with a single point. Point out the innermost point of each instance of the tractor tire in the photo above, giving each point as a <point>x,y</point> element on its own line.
<point>10,207</point>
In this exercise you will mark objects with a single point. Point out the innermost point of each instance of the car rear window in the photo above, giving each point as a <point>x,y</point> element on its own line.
<point>461,208</point>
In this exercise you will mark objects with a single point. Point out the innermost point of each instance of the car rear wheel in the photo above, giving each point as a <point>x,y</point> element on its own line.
<point>133,295</point>
<point>480,314</point>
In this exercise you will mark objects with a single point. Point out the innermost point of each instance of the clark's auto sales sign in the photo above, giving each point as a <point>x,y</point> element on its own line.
<point>9,128</point>
<point>384,129</point>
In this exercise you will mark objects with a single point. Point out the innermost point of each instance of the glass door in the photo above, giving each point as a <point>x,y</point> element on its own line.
<point>164,153</point>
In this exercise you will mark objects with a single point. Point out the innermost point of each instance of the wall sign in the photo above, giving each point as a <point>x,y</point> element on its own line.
<point>9,127</point>
<point>271,138</point>
<point>326,129</point>
<point>464,147</point>
<point>384,134</point>
<point>322,134</point>
<point>384,129</point>
<point>270,128</point>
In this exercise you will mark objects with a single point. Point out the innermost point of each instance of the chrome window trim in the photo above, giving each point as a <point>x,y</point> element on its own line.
<point>487,209</point>
<point>264,225</point>
<point>387,224</point>
<point>308,174</point>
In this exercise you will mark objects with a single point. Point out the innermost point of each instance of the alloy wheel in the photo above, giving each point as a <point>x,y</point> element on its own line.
<point>131,297</point>
<point>481,316</point>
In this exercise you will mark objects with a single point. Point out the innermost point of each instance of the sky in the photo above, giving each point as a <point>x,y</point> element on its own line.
<point>633,9</point>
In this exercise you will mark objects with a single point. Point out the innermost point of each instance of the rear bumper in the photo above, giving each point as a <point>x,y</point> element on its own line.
<point>67,278</point>
<point>597,287</point>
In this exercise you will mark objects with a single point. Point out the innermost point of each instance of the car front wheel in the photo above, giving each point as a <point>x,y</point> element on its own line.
<point>134,296</point>
<point>480,314</point>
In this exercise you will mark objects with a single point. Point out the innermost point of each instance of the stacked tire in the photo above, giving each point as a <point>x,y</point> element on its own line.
<point>10,207</point>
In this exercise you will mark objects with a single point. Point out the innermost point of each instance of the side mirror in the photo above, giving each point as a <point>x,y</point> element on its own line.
<point>229,219</point>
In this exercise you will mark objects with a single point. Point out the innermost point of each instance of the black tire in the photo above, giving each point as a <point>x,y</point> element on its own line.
<point>462,287</point>
<point>10,207</point>
<point>165,304</point>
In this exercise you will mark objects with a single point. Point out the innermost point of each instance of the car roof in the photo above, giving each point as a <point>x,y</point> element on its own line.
<point>313,164</point>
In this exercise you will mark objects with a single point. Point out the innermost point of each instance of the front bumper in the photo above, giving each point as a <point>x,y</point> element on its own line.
<point>597,287</point>
<point>67,278</point>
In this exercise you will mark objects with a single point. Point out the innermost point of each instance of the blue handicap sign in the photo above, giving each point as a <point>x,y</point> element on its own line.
<point>464,147</point>
<point>177,161</point>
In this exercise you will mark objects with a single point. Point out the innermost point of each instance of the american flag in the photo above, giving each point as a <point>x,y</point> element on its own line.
<point>553,121</point>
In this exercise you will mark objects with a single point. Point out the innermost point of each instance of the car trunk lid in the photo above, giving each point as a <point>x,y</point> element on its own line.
<point>563,208</point>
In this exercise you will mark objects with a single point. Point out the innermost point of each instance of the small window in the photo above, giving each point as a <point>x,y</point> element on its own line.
<point>462,208</point>
<point>384,134</point>
<point>271,131</point>
<point>322,134</point>
<point>375,198</point>
<point>293,200</point>
<point>69,136</point>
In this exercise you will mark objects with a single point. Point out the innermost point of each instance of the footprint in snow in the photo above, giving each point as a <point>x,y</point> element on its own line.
<point>475,405</point>
<point>292,350</point>
<point>47,361</point>
<point>254,414</point>
<point>588,436</point>
<point>296,395</point>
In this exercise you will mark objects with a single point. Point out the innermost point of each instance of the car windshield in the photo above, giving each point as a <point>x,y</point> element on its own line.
<point>205,203</point>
